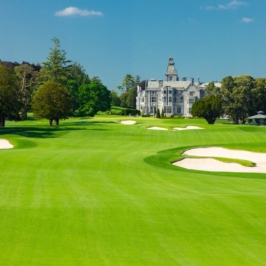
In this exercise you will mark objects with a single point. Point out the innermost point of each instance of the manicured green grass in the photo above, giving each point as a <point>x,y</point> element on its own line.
<point>96,192</point>
<point>227,160</point>
<point>241,162</point>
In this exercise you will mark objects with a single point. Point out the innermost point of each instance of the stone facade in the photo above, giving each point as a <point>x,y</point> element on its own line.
<point>174,96</point>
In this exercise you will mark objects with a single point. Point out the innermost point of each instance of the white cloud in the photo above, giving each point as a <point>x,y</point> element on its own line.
<point>232,5</point>
<point>72,11</point>
<point>247,20</point>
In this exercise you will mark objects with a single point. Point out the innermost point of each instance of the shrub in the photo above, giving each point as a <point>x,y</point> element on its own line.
<point>158,113</point>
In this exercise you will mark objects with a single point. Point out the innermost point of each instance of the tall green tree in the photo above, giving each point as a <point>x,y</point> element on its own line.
<point>237,98</point>
<point>129,88</point>
<point>259,95</point>
<point>26,79</point>
<point>211,89</point>
<point>96,79</point>
<point>209,108</point>
<point>78,73</point>
<point>129,82</point>
<point>162,114</point>
<point>10,96</point>
<point>115,100</point>
<point>158,113</point>
<point>53,102</point>
<point>77,77</point>
<point>57,66</point>
<point>123,99</point>
<point>92,98</point>
<point>131,99</point>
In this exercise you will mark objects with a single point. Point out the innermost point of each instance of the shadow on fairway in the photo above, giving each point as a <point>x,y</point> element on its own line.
<point>39,132</point>
<point>88,123</point>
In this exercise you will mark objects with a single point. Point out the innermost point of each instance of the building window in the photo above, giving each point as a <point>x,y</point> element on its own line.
<point>174,99</point>
<point>182,98</point>
<point>168,109</point>
<point>164,92</point>
<point>191,93</point>
<point>143,99</point>
<point>191,101</point>
<point>170,99</point>
<point>164,99</point>
<point>153,99</point>
<point>170,92</point>
<point>178,109</point>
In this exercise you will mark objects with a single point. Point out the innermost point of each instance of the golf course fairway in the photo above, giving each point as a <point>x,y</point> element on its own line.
<point>93,191</point>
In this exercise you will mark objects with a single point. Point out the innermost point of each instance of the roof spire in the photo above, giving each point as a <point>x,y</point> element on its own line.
<point>171,72</point>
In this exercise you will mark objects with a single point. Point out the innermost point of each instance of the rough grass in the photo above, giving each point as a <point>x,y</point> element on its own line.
<point>95,192</point>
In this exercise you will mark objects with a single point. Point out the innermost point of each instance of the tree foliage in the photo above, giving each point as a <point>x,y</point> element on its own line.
<point>237,97</point>
<point>211,89</point>
<point>129,82</point>
<point>52,101</point>
<point>162,114</point>
<point>209,108</point>
<point>57,67</point>
<point>77,94</point>
<point>26,79</point>
<point>115,100</point>
<point>10,97</point>
<point>92,98</point>
<point>259,95</point>
<point>158,113</point>
<point>77,77</point>
<point>129,88</point>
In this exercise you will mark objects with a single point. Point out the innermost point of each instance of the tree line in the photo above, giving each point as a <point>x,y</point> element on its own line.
<point>238,97</point>
<point>55,89</point>
<point>128,89</point>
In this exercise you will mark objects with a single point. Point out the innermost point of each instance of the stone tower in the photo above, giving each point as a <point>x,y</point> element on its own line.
<point>171,72</point>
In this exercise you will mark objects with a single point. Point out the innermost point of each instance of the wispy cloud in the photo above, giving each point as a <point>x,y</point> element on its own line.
<point>74,11</point>
<point>232,5</point>
<point>247,20</point>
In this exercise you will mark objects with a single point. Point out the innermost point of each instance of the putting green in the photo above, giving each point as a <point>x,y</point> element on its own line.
<point>93,192</point>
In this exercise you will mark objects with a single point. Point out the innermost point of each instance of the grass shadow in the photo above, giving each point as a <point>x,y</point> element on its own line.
<point>38,132</point>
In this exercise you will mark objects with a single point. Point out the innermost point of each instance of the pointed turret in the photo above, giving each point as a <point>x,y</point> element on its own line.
<point>171,72</point>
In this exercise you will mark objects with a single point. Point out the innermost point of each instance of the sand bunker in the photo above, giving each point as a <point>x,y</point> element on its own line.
<point>5,144</point>
<point>187,128</point>
<point>157,128</point>
<point>128,122</point>
<point>208,164</point>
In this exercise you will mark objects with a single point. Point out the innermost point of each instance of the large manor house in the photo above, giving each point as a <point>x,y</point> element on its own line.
<point>173,96</point>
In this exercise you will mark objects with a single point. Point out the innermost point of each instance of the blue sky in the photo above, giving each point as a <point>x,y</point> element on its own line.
<point>208,38</point>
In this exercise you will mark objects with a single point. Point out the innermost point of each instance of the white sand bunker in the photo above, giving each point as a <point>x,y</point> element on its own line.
<point>128,122</point>
<point>208,164</point>
<point>5,144</point>
<point>187,128</point>
<point>157,128</point>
